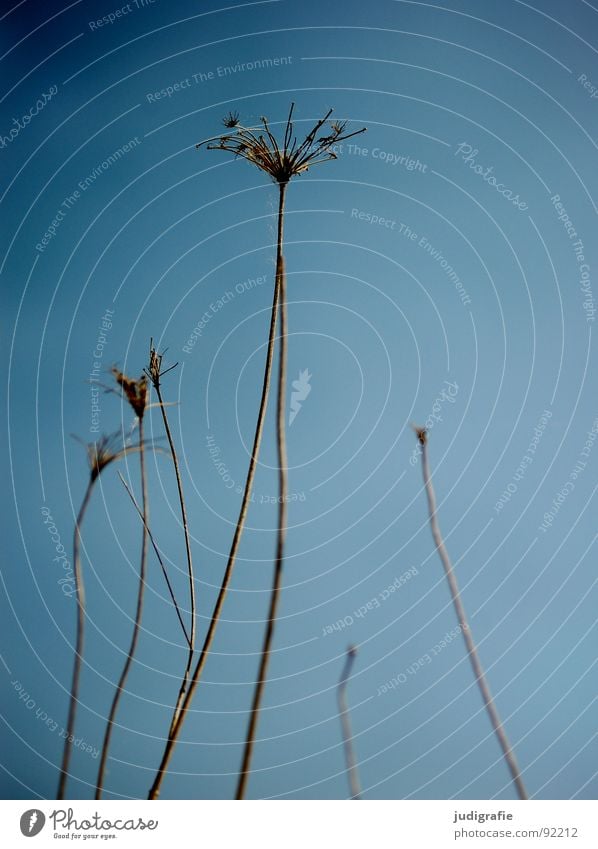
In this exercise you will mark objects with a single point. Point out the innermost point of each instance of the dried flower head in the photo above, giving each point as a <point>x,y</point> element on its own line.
<point>103,451</point>
<point>231,120</point>
<point>338,126</point>
<point>107,448</point>
<point>281,160</point>
<point>421,433</point>
<point>154,368</point>
<point>135,391</point>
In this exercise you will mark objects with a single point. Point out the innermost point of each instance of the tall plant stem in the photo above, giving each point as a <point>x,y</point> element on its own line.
<point>282,519</point>
<point>175,463</point>
<point>472,651</point>
<point>343,712</point>
<point>136,626</point>
<point>80,594</point>
<point>159,556</point>
<point>175,728</point>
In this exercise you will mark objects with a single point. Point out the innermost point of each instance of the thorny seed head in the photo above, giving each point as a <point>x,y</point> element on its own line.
<point>135,391</point>
<point>110,447</point>
<point>338,126</point>
<point>231,120</point>
<point>421,433</point>
<point>154,368</point>
<point>286,157</point>
<point>103,451</point>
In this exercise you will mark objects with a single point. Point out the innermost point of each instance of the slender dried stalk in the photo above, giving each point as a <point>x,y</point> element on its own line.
<point>80,591</point>
<point>135,391</point>
<point>228,572</point>
<point>99,455</point>
<point>154,372</point>
<point>159,556</point>
<point>343,712</point>
<point>281,163</point>
<point>472,651</point>
<point>282,514</point>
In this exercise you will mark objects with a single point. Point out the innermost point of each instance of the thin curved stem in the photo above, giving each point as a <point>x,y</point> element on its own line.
<point>282,521</point>
<point>175,463</point>
<point>343,712</point>
<point>175,728</point>
<point>472,651</point>
<point>159,556</point>
<point>137,625</point>
<point>80,594</point>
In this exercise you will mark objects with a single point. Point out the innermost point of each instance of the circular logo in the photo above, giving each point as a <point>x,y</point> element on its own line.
<point>32,822</point>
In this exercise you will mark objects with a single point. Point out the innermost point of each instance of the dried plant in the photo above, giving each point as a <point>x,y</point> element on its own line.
<point>281,161</point>
<point>159,556</point>
<point>470,645</point>
<point>155,373</point>
<point>100,454</point>
<point>343,712</point>
<point>135,392</point>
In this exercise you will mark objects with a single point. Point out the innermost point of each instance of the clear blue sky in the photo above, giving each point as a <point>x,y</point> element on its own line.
<point>481,120</point>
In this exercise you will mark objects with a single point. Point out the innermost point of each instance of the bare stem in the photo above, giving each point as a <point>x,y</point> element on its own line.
<point>472,651</point>
<point>137,625</point>
<point>159,556</point>
<point>343,712</point>
<point>175,728</point>
<point>80,593</point>
<point>175,462</point>
<point>282,517</point>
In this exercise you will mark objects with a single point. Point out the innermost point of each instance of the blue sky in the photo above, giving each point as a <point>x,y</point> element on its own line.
<point>442,266</point>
